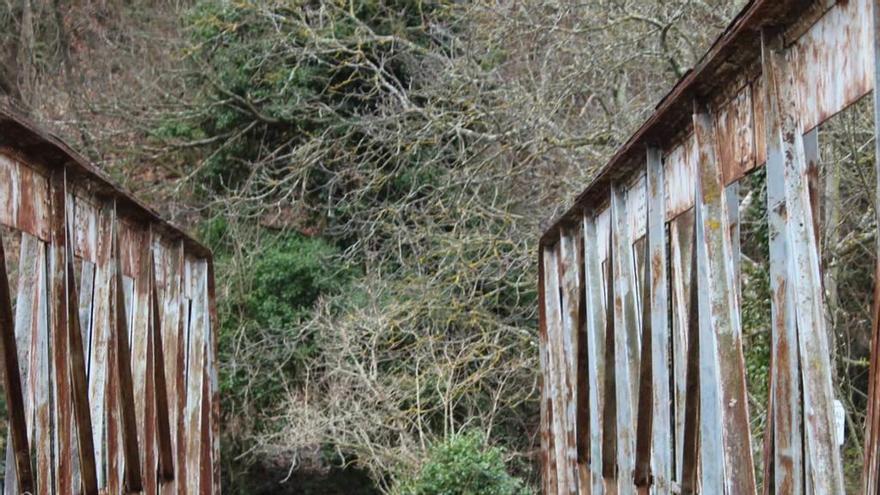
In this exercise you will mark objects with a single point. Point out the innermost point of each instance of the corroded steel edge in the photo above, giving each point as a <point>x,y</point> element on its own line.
<point>730,65</point>
<point>20,136</point>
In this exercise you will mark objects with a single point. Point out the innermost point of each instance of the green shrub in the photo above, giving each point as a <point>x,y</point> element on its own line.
<point>464,465</point>
<point>289,277</point>
<point>262,345</point>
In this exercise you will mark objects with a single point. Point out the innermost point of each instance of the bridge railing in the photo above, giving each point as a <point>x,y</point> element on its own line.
<point>644,386</point>
<point>107,332</point>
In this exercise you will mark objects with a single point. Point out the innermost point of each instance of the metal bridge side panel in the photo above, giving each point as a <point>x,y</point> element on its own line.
<point>681,233</point>
<point>595,321</point>
<point>41,382</point>
<point>26,308</point>
<point>548,466</point>
<point>196,378</point>
<point>659,308</point>
<point>569,276</point>
<point>58,334</point>
<point>99,349</point>
<point>786,456</point>
<point>824,459</point>
<point>626,342</point>
<point>565,483</point>
<point>727,457</point>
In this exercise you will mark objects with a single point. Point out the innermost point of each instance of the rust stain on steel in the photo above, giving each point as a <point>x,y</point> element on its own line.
<point>157,355</point>
<point>759,121</point>
<point>679,176</point>
<point>100,360</point>
<point>85,230</point>
<point>42,384</point>
<point>547,475</point>
<point>77,368</point>
<point>609,415</point>
<point>645,413</point>
<point>570,299</point>
<point>90,403</point>
<point>206,473</point>
<point>137,246</point>
<point>31,265</point>
<point>24,196</point>
<point>594,339</point>
<point>735,131</point>
<point>565,470</point>
<point>626,341</point>
<point>724,343</point>
<point>691,435</point>
<point>195,375</point>
<point>583,386</point>
<point>59,335</point>
<point>150,419</point>
<point>213,367</point>
<point>12,385</point>
<point>824,470</point>
<point>784,445</point>
<point>183,329</point>
<point>680,231</point>
<point>657,314</point>
<point>127,418</point>
<point>33,206</point>
<point>33,144</point>
<point>832,62</point>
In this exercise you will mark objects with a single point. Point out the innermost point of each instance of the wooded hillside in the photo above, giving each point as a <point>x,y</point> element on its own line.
<point>373,177</point>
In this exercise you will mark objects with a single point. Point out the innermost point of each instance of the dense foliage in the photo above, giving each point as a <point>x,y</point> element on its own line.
<point>464,465</point>
<point>372,177</point>
<point>320,119</point>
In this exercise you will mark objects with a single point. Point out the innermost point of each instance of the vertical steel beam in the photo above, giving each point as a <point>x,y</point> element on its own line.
<point>30,294</point>
<point>79,394</point>
<point>825,472</point>
<point>59,329</point>
<point>41,372</point>
<point>785,456</point>
<point>681,231</point>
<point>609,415</point>
<point>569,278</point>
<point>100,352</point>
<point>691,448</point>
<point>165,460</point>
<point>196,379</point>
<point>626,340</point>
<point>183,328</point>
<point>871,470</point>
<point>583,386</point>
<point>214,369</point>
<point>657,270</point>
<point>727,465</point>
<point>171,323</point>
<point>548,464</point>
<point>731,192</point>
<point>86,309</point>
<point>566,484</point>
<point>127,421</point>
<point>12,386</point>
<point>645,412</point>
<point>595,337</point>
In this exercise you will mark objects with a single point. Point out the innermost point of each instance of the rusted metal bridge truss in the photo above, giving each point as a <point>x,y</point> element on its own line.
<point>644,384</point>
<point>106,333</point>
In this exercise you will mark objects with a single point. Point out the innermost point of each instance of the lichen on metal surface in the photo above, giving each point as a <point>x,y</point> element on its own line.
<point>780,70</point>
<point>93,348</point>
